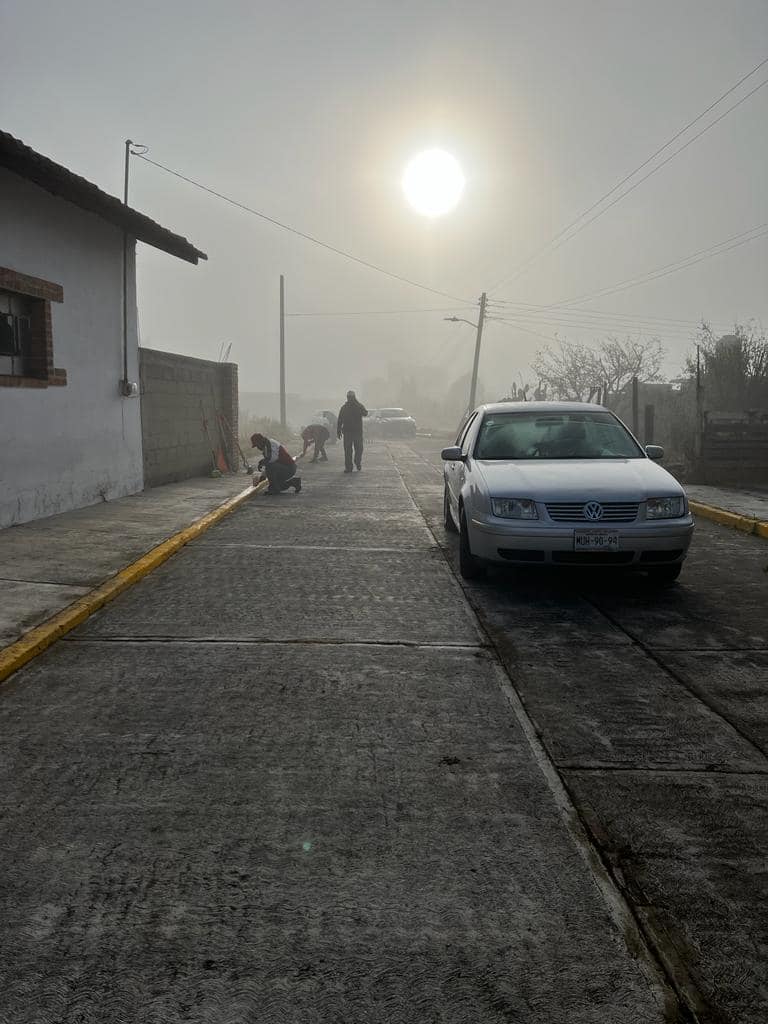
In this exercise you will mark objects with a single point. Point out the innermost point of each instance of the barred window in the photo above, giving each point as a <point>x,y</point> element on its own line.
<point>16,356</point>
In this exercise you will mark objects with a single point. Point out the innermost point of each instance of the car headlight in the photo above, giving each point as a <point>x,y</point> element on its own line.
<point>665,508</point>
<point>514,508</point>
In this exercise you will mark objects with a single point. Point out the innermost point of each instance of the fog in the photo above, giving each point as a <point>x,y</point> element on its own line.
<point>308,113</point>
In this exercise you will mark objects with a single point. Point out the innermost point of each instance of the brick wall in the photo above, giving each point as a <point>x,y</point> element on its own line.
<point>177,394</point>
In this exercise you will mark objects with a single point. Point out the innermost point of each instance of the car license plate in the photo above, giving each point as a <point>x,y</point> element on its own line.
<point>595,540</point>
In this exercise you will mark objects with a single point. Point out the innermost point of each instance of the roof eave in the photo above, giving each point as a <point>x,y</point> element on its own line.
<point>61,182</point>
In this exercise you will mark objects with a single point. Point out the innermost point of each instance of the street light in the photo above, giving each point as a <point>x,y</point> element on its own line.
<point>460,320</point>
<point>479,328</point>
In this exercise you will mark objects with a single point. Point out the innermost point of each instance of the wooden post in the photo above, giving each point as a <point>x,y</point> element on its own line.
<point>635,406</point>
<point>650,411</point>
<point>699,405</point>
<point>282,352</point>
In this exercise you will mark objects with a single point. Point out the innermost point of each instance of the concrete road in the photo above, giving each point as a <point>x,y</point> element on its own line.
<point>653,707</point>
<point>285,779</point>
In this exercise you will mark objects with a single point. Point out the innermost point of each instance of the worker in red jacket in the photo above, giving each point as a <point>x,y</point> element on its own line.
<point>316,434</point>
<point>277,465</point>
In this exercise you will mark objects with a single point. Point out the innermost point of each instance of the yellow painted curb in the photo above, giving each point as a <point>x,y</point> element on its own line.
<point>746,524</point>
<point>36,640</point>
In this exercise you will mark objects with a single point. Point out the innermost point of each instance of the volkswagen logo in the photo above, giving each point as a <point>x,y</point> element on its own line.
<point>593,511</point>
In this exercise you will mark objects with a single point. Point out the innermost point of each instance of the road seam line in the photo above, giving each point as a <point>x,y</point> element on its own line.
<point>677,676</point>
<point>38,639</point>
<point>139,638</point>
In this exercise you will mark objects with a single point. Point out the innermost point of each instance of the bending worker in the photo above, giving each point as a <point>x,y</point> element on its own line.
<point>350,424</point>
<point>316,434</point>
<point>278,466</point>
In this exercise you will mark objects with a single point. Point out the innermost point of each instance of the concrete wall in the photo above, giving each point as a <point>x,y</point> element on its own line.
<point>74,445</point>
<point>177,393</point>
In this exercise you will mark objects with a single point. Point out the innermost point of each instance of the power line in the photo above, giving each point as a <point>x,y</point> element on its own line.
<point>671,268</point>
<point>300,234</point>
<point>385,312</point>
<point>659,166</point>
<point>599,326</point>
<point>576,320</point>
<point>564,231</point>
<point>509,307</point>
<point>586,316</point>
<point>522,329</point>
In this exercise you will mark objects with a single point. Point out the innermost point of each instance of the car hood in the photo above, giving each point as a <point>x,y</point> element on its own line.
<point>578,479</point>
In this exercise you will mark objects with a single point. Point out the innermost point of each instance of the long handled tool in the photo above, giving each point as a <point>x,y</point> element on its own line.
<point>222,454</point>
<point>215,471</point>
<point>228,426</point>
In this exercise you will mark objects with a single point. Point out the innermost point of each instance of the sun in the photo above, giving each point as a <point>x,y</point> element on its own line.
<point>433,182</point>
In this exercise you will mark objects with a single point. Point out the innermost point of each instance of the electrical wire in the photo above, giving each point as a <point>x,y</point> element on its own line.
<point>600,326</point>
<point>523,330</point>
<point>670,268</point>
<point>509,306</point>
<point>659,166</point>
<point>580,316</point>
<point>386,312</point>
<point>564,231</point>
<point>300,234</point>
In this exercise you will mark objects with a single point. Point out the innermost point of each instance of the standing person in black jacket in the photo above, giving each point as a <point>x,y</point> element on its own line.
<point>350,424</point>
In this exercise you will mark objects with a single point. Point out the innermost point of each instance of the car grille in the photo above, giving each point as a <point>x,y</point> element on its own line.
<point>613,512</point>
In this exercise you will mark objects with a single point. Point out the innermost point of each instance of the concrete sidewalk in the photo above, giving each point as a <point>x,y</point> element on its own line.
<point>752,504</point>
<point>49,563</point>
<point>742,510</point>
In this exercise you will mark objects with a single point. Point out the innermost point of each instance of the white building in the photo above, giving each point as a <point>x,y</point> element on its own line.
<point>70,436</point>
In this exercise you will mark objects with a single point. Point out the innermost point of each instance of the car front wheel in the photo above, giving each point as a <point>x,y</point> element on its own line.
<point>448,522</point>
<point>471,568</point>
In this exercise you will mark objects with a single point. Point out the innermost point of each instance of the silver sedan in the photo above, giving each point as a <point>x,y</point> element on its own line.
<point>562,483</point>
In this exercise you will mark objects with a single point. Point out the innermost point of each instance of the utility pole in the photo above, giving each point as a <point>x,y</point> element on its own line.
<point>282,351</point>
<point>124,383</point>
<point>475,365</point>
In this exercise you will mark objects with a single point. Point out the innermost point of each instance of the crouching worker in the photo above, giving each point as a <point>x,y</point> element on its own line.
<point>277,466</point>
<point>316,434</point>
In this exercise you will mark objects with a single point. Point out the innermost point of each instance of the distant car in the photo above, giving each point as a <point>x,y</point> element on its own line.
<point>561,483</point>
<point>391,423</point>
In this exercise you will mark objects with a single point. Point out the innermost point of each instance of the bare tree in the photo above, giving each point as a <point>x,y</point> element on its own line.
<point>578,372</point>
<point>621,361</point>
<point>570,372</point>
<point>735,366</point>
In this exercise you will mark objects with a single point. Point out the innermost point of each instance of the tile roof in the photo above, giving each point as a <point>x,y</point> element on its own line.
<point>60,181</point>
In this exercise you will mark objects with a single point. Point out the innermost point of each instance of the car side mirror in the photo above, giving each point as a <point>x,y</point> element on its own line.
<point>655,452</point>
<point>452,454</point>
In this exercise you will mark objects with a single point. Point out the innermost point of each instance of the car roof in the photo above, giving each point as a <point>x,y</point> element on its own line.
<point>542,407</point>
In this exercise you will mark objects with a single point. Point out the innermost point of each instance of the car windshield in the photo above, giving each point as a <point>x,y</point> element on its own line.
<point>555,435</point>
<point>392,414</point>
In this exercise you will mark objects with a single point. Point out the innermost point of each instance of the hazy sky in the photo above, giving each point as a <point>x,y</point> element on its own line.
<point>309,111</point>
